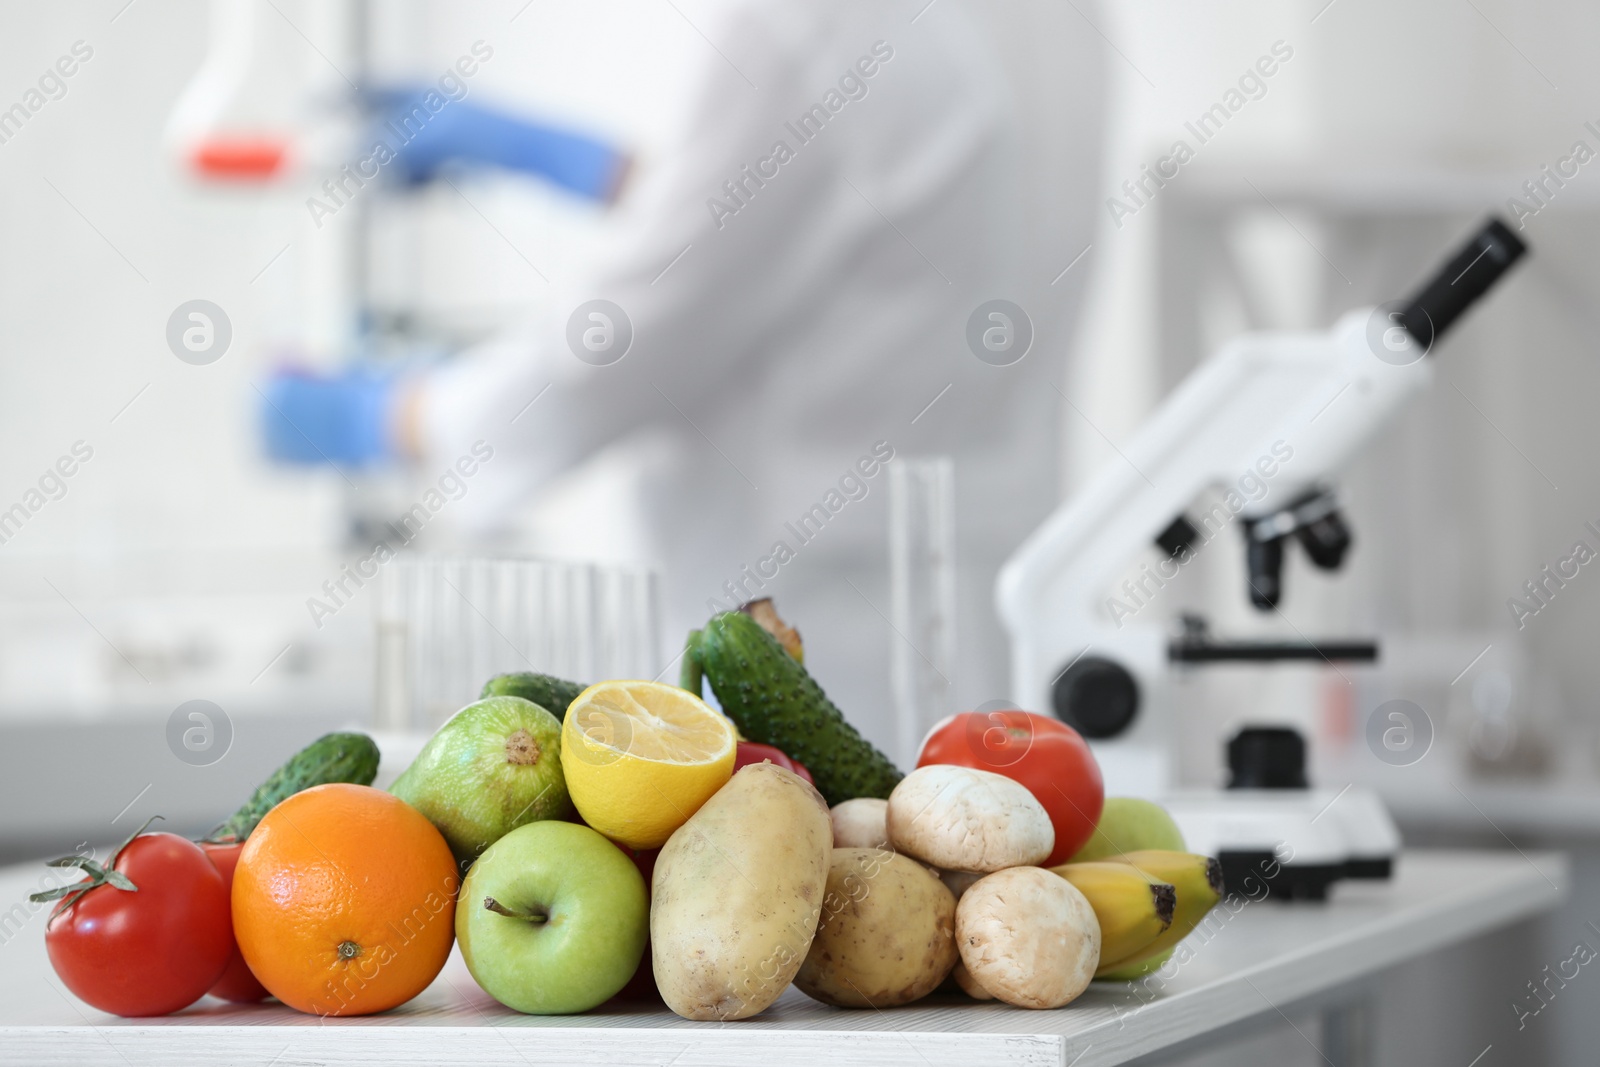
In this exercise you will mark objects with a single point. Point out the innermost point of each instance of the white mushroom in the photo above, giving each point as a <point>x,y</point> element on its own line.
<point>1028,937</point>
<point>860,823</point>
<point>962,819</point>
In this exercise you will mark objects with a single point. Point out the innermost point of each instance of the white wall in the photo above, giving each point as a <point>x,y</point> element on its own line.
<point>186,552</point>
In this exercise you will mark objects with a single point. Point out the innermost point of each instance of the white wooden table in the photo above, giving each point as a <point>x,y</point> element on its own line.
<point>1264,958</point>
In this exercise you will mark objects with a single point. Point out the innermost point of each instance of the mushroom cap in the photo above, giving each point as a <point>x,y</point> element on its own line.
<point>964,819</point>
<point>1027,941</point>
<point>860,823</point>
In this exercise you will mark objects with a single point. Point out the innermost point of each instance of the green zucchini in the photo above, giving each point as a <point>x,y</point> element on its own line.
<point>773,700</point>
<point>330,758</point>
<point>553,694</point>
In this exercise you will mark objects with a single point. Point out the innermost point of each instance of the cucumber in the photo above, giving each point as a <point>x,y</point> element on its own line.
<point>553,694</point>
<point>330,758</point>
<point>773,700</point>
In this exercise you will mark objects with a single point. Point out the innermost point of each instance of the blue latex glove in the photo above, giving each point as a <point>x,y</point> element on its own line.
<point>464,132</point>
<point>341,418</point>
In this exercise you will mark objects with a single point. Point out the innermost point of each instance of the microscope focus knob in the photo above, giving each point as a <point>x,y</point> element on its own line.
<point>1097,697</point>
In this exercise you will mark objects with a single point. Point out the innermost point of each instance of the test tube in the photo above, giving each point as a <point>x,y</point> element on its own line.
<point>446,624</point>
<point>921,594</point>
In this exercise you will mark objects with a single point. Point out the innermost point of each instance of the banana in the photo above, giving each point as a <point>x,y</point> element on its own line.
<point>1132,972</point>
<point>1132,907</point>
<point>1198,881</point>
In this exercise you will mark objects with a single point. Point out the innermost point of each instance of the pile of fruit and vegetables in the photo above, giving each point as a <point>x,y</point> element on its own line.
<point>624,839</point>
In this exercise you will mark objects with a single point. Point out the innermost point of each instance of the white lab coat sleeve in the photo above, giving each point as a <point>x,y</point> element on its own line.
<point>704,276</point>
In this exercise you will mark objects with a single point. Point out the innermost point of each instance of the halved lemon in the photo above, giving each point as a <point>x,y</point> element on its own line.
<point>641,757</point>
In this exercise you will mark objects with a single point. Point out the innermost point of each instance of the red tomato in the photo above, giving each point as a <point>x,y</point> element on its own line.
<point>754,752</point>
<point>1044,754</point>
<point>642,986</point>
<point>148,952</point>
<point>237,983</point>
<point>800,769</point>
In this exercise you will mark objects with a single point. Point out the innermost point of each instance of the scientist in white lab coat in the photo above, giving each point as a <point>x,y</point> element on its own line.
<point>789,310</point>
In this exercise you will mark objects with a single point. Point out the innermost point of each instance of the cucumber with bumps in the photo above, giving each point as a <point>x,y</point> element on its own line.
<point>552,694</point>
<point>773,700</point>
<point>330,758</point>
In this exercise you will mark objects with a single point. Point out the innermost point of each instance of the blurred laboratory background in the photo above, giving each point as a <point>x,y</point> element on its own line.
<point>196,153</point>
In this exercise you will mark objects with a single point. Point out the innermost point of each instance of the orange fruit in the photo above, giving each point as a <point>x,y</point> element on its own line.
<point>344,901</point>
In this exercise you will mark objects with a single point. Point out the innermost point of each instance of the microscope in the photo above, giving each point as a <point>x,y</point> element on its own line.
<point>1268,422</point>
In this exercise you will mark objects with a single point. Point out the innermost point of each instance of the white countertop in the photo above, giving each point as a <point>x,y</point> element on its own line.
<point>1543,810</point>
<point>1264,956</point>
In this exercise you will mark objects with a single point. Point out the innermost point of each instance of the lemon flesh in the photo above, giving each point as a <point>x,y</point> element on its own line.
<point>641,757</point>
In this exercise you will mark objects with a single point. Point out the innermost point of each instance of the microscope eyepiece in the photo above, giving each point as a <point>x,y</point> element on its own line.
<point>1459,283</point>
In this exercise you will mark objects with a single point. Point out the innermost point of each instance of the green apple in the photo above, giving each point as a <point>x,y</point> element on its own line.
<point>495,766</point>
<point>553,919</point>
<point>1129,824</point>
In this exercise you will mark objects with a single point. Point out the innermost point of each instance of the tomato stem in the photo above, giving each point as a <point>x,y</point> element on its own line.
<point>98,875</point>
<point>129,841</point>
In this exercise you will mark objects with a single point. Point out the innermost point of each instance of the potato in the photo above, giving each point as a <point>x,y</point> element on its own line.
<point>1025,940</point>
<point>962,819</point>
<point>861,823</point>
<point>737,894</point>
<point>887,935</point>
<point>969,985</point>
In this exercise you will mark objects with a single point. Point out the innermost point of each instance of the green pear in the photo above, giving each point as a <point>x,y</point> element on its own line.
<point>494,766</point>
<point>1130,824</point>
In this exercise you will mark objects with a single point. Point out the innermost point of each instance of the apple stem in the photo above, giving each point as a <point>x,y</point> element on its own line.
<point>500,909</point>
